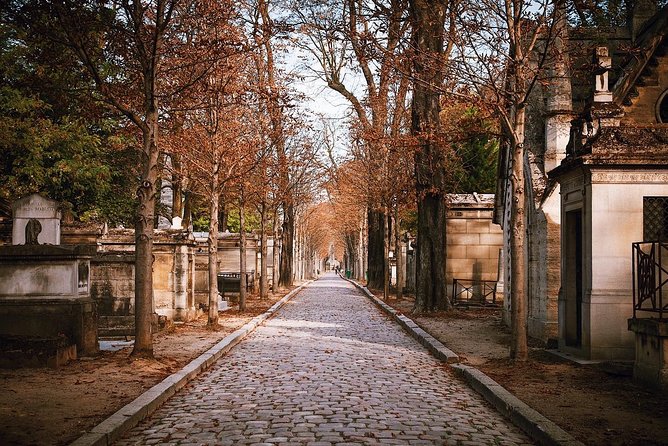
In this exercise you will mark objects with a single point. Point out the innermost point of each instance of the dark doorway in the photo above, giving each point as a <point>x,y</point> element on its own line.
<point>573,280</point>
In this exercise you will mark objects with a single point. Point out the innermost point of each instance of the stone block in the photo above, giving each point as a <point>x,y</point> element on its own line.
<point>478,226</point>
<point>456,251</point>
<point>477,252</point>
<point>492,239</point>
<point>455,226</point>
<point>465,239</point>
<point>651,351</point>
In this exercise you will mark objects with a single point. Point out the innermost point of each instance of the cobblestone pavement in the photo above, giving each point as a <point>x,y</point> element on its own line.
<point>328,369</point>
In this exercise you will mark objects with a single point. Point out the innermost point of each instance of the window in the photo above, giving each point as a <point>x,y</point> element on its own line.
<point>655,218</point>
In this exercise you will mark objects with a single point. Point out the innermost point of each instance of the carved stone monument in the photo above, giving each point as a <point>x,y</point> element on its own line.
<point>45,300</point>
<point>36,221</point>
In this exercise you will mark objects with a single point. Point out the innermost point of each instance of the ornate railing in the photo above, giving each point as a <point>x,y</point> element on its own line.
<point>474,292</point>
<point>650,278</point>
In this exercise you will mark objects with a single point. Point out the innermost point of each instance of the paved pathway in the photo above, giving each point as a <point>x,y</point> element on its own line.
<point>329,368</point>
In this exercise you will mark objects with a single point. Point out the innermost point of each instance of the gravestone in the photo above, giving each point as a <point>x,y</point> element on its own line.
<point>36,221</point>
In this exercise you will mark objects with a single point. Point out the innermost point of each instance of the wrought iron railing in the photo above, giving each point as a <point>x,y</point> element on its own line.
<point>474,292</point>
<point>650,278</point>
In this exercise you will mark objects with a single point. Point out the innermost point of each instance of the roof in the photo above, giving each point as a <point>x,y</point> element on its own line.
<point>644,147</point>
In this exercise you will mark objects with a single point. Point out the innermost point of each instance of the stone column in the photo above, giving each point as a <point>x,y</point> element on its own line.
<point>181,282</point>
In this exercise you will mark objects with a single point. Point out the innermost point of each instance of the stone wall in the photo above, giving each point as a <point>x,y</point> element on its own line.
<point>228,261</point>
<point>112,275</point>
<point>473,241</point>
<point>544,269</point>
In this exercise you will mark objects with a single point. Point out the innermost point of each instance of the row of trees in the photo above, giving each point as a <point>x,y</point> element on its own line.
<point>122,93</point>
<point>435,88</point>
<point>106,95</point>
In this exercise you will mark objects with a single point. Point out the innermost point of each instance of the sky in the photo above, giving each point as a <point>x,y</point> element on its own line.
<point>320,99</point>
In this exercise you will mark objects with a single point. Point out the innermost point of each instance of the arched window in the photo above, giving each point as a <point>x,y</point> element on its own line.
<point>662,108</point>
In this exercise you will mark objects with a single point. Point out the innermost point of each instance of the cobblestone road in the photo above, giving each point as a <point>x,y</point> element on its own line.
<point>330,368</point>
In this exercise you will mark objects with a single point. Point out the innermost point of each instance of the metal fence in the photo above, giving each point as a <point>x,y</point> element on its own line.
<point>650,278</point>
<point>474,292</point>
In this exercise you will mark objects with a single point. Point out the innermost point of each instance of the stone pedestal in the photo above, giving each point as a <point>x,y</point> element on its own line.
<point>45,293</point>
<point>651,364</point>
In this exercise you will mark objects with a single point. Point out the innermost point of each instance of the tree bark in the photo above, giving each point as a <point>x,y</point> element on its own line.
<point>212,245</point>
<point>428,20</point>
<point>359,274</point>
<point>242,254</point>
<point>264,282</point>
<point>177,189</point>
<point>375,253</point>
<point>518,312</point>
<point>275,272</point>
<point>398,254</point>
<point>365,249</point>
<point>386,255</point>
<point>187,209</point>
<point>287,248</point>
<point>143,346</point>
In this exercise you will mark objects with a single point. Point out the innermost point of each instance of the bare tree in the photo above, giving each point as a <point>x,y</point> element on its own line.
<point>123,45</point>
<point>504,54</point>
<point>369,39</point>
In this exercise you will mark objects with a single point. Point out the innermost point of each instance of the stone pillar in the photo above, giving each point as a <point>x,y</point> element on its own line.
<point>181,282</point>
<point>651,361</point>
<point>559,100</point>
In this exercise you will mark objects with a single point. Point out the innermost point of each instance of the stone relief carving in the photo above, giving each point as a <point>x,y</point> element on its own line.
<point>629,177</point>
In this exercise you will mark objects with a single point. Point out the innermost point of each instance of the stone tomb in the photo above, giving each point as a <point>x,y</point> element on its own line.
<point>36,221</point>
<point>473,246</point>
<point>46,311</point>
<point>604,191</point>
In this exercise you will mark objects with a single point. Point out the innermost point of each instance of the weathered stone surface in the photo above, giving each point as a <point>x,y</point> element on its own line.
<point>329,368</point>
<point>38,209</point>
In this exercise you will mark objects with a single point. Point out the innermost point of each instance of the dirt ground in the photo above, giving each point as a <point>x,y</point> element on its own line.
<point>599,404</point>
<point>40,406</point>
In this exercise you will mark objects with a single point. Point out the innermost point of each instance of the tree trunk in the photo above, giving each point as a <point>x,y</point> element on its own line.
<point>177,189</point>
<point>212,245</point>
<point>375,253</point>
<point>359,272</point>
<point>222,215</point>
<point>287,249</point>
<point>143,346</point>
<point>518,311</point>
<point>264,283</point>
<point>275,276</point>
<point>187,209</point>
<point>398,254</point>
<point>428,20</point>
<point>386,255</point>
<point>365,249</point>
<point>242,254</point>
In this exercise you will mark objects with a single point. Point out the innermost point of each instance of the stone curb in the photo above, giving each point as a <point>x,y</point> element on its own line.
<point>535,425</point>
<point>539,428</point>
<point>112,428</point>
